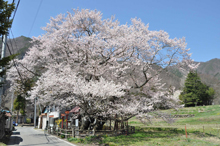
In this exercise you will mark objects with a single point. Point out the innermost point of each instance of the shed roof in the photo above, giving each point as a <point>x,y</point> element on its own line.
<point>75,109</point>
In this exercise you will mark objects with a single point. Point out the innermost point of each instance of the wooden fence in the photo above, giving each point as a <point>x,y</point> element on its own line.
<point>177,116</point>
<point>76,132</point>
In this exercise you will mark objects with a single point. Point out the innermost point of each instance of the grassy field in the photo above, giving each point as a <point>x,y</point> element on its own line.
<point>202,130</point>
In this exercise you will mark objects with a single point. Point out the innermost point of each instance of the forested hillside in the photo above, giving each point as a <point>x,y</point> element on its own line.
<point>209,72</point>
<point>18,45</point>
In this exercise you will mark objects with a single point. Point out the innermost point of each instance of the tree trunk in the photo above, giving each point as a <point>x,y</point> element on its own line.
<point>17,116</point>
<point>23,119</point>
<point>84,123</point>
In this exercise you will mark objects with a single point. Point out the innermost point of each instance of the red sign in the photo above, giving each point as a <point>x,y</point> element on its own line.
<point>67,112</point>
<point>51,116</point>
<point>62,115</point>
<point>43,114</point>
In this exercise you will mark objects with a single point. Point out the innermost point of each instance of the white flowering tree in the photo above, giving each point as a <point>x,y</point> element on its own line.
<point>103,67</point>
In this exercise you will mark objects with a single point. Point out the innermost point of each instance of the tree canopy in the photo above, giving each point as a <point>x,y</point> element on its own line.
<point>19,104</point>
<point>195,92</point>
<point>5,12</point>
<point>101,66</point>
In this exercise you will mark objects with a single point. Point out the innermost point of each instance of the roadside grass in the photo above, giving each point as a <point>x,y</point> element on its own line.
<point>149,137</point>
<point>203,115</point>
<point>202,130</point>
<point>2,144</point>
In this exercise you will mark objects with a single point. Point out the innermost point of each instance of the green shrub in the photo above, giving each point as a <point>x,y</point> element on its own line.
<point>81,140</point>
<point>88,138</point>
<point>188,140</point>
<point>72,139</point>
<point>62,136</point>
<point>28,120</point>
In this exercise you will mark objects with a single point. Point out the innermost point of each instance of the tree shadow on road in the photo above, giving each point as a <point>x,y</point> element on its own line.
<point>13,139</point>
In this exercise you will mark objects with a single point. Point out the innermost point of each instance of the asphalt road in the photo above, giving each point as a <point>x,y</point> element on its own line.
<point>28,136</point>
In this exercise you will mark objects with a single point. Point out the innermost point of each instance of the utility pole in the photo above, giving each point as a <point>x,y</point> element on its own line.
<point>35,112</point>
<point>12,99</point>
<point>2,56</point>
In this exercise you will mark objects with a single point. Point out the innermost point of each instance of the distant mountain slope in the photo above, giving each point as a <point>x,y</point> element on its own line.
<point>18,45</point>
<point>209,73</point>
<point>211,67</point>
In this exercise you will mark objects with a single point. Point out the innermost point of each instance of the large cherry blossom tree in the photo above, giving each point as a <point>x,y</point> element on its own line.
<point>103,67</point>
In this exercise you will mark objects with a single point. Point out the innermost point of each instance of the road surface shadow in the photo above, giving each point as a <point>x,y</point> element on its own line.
<point>28,125</point>
<point>16,133</point>
<point>5,139</point>
<point>14,140</point>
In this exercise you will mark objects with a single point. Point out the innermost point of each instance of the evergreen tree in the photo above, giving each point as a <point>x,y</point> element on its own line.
<point>19,105</point>
<point>195,92</point>
<point>5,12</point>
<point>5,23</point>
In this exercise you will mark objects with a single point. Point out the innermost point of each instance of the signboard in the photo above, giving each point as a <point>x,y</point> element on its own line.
<point>77,122</point>
<point>62,115</point>
<point>51,116</point>
<point>44,114</point>
<point>67,112</point>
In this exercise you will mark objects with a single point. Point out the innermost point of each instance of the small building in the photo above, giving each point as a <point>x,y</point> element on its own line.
<point>48,117</point>
<point>53,116</point>
<point>42,120</point>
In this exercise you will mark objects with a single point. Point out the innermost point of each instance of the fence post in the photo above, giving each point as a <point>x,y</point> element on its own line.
<point>203,131</point>
<point>88,131</point>
<point>93,131</point>
<point>66,134</point>
<point>76,131</point>
<point>73,135</point>
<point>127,130</point>
<point>48,130</point>
<point>53,129</point>
<point>110,124</point>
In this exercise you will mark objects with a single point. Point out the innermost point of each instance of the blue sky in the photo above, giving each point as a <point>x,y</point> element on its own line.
<point>196,20</point>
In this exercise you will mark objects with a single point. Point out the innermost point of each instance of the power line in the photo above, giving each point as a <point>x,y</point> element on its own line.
<point>10,40</point>
<point>20,63</point>
<point>15,11</point>
<point>14,42</point>
<point>15,65</point>
<point>35,18</point>
<point>11,26</point>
